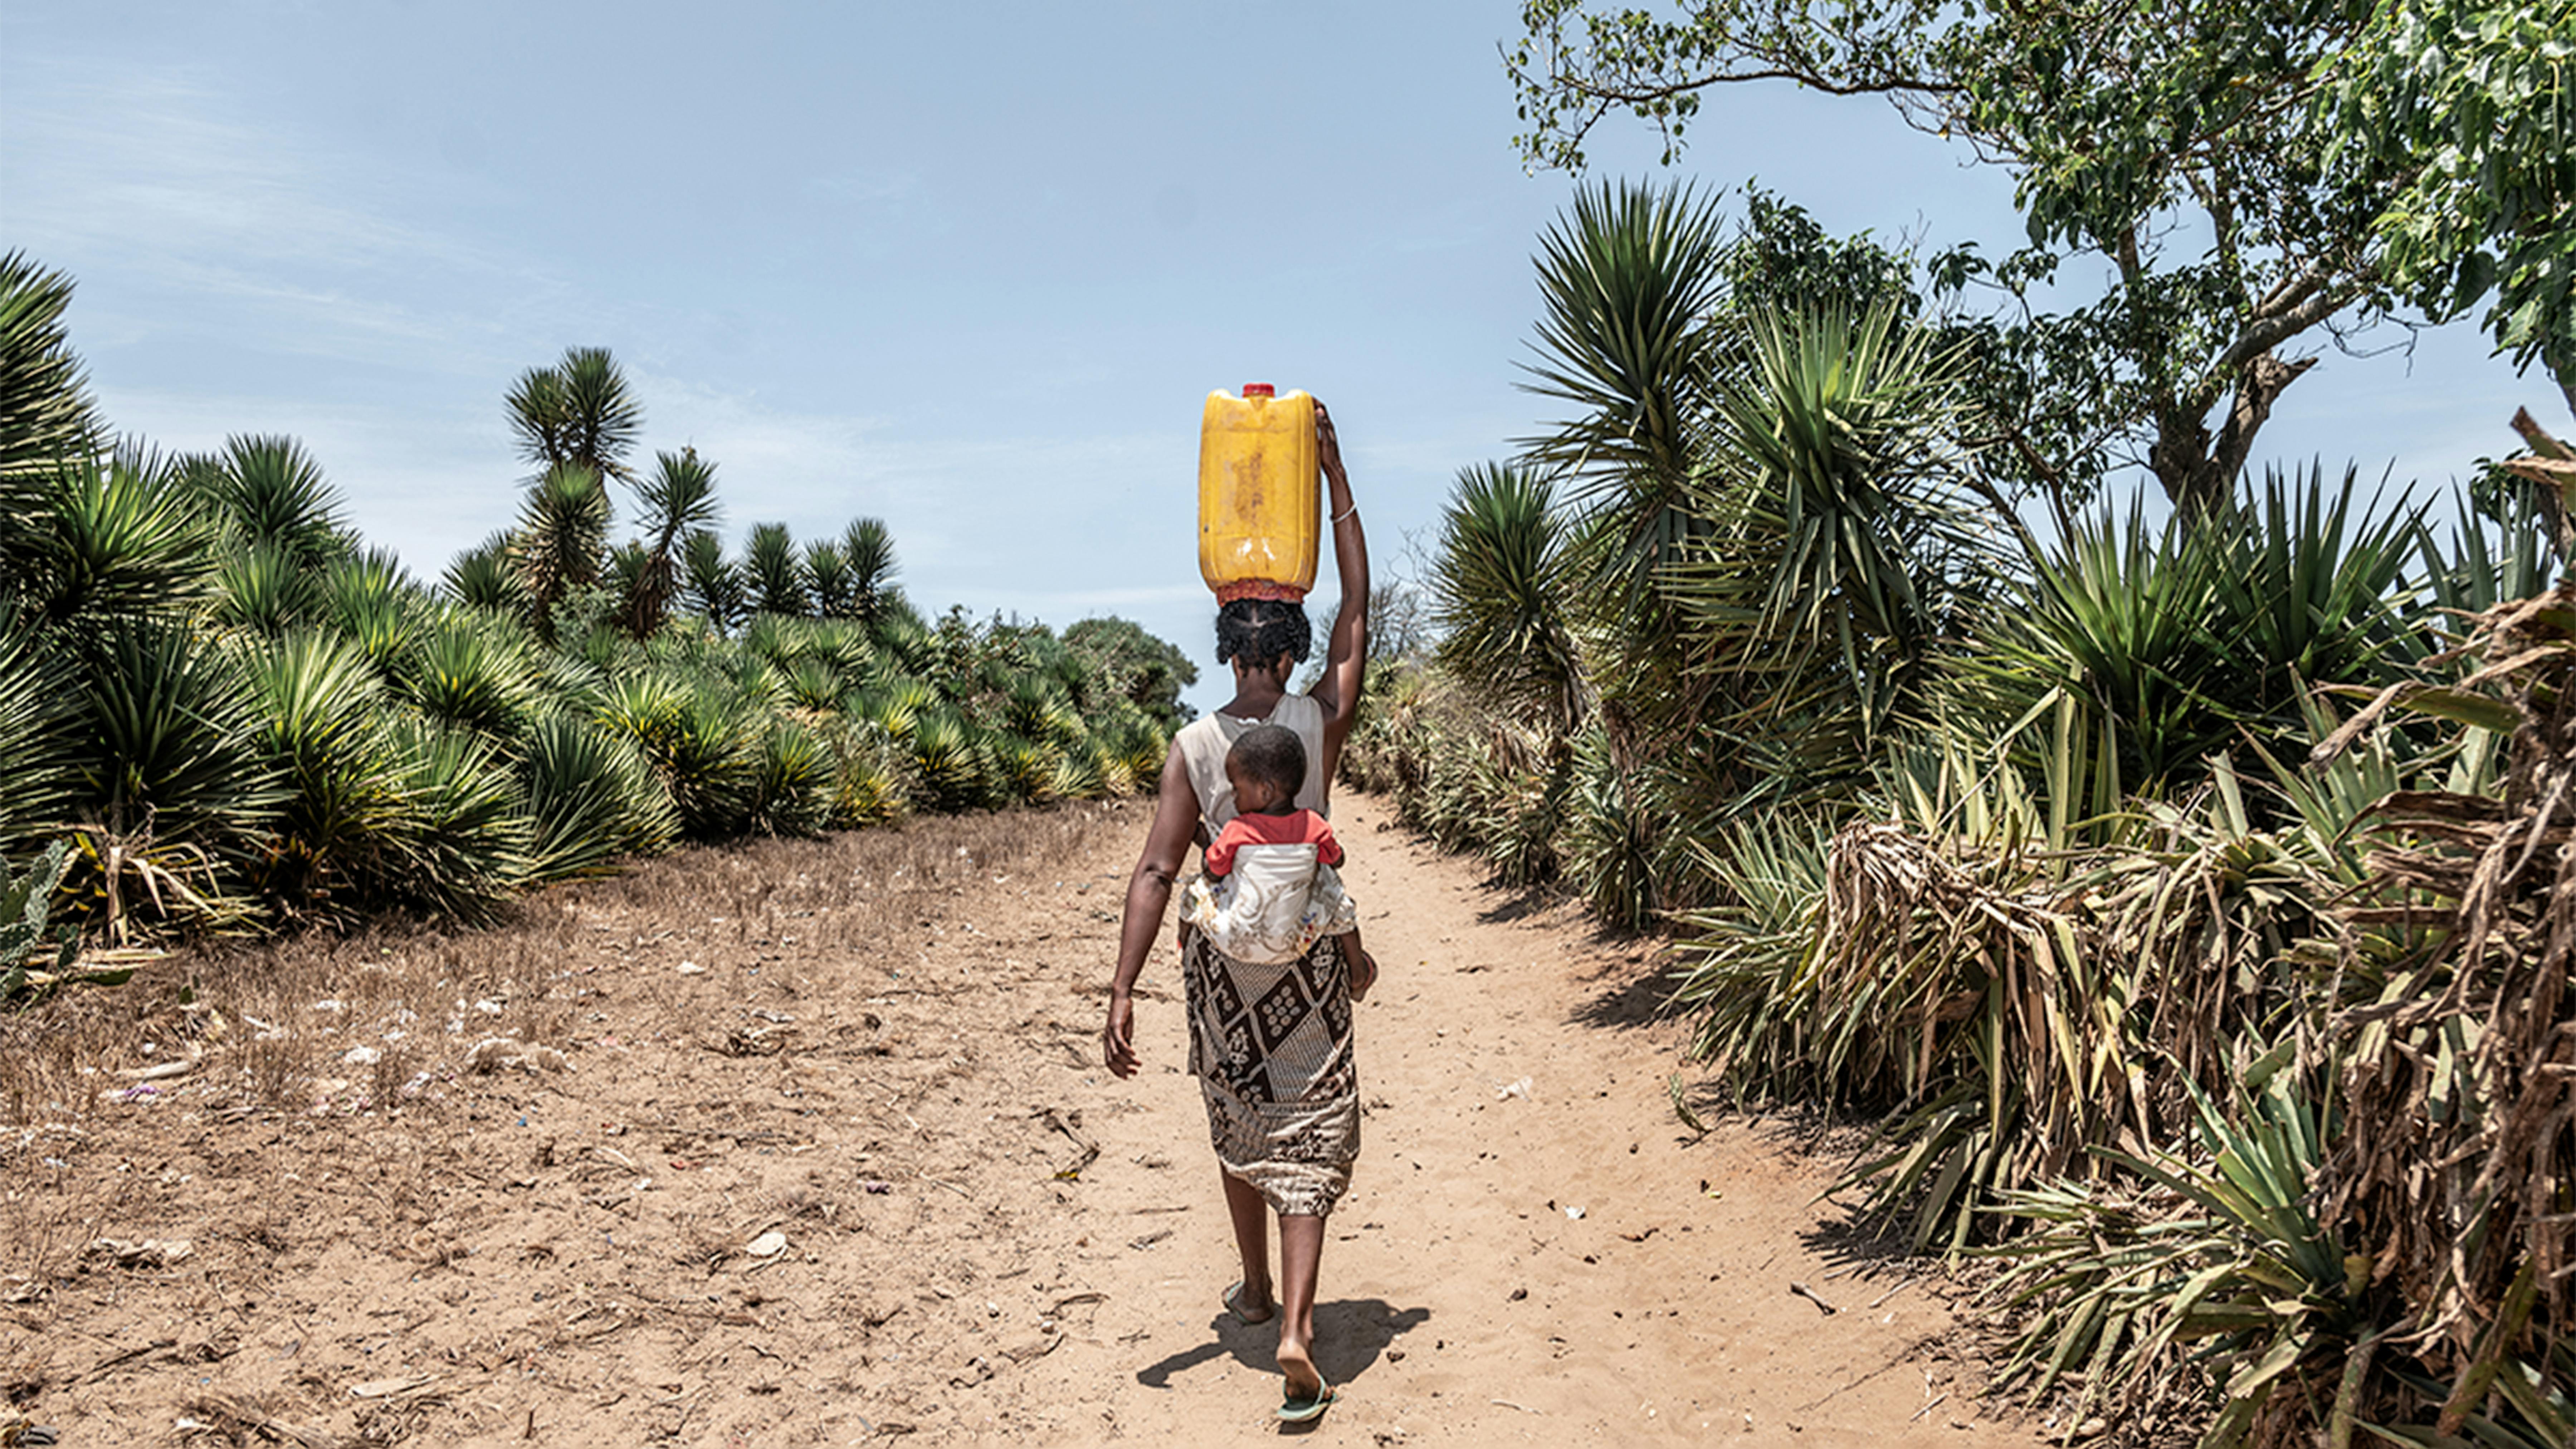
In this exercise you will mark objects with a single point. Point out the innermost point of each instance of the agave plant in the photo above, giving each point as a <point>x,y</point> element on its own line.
<point>465,847</point>
<point>164,722</point>
<point>2176,641</point>
<point>110,537</point>
<point>472,671</point>
<point>811,684</point>
<point>591,800</point>
<point>1082,773</point>
<point>268,492</point>
<point>323,727</point>
<point>895,708</point>
<point>955,770</point>
<point>698,740</point>
<point>1026,769</point>
<point>791,786</point>
<point>1033,710</point>
<point>482,577</point>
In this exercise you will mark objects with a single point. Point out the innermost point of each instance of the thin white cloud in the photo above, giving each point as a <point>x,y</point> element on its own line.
<point>154,161</point>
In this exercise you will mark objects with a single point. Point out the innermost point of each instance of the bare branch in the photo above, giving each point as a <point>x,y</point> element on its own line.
<point>2269,332</point>
<point>1642,94</point>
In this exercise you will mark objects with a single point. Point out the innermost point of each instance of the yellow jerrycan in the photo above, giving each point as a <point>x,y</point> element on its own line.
<point>1258,502</point>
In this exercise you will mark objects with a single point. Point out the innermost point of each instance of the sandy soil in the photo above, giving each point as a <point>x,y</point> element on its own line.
<point>831,1158</point>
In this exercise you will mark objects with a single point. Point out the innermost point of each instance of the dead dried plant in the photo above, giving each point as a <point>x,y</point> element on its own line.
<point>2461,1076</point>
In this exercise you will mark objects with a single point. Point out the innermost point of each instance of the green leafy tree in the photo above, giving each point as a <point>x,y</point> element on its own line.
<point>1144,670</point>
<point>2176,143</point>
<point>2474,107</point>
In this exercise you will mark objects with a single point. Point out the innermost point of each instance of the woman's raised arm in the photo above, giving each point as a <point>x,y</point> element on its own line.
<point>1346,649</point>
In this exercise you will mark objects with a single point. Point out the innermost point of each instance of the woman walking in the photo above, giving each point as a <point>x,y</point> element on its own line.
<point>1269,1042</point>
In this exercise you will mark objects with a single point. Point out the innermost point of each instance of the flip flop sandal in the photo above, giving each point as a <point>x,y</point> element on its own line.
<point>1300,1411</point>
<point>1234,1306</point>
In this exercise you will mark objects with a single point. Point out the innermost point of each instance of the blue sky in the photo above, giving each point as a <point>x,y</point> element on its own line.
<point>966,268</point>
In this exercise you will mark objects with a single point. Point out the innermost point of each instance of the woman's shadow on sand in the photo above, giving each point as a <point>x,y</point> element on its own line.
<point>1351,1335</point>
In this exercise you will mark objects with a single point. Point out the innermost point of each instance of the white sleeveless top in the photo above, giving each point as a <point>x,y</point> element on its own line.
<point>1204,741</point>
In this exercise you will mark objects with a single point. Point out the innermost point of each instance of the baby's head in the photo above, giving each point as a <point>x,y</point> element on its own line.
<point>1267,767</point>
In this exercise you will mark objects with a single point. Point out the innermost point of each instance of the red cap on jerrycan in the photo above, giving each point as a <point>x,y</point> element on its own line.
<point>1258,495</point>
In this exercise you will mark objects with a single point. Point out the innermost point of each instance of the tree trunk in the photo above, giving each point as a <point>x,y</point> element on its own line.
<point>2198,471</point>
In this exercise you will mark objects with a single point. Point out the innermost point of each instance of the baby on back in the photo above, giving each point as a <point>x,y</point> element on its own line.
<point>1270,890</point>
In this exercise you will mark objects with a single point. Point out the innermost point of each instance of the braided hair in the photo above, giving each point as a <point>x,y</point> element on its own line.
<point>1260,630</point>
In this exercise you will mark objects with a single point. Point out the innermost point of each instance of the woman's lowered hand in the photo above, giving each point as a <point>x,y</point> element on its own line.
<point>1117,1044</point>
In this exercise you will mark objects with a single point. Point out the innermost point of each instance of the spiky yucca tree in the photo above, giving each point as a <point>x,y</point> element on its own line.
<point>559,542</point>
<point>868,548</point>
<point>1500,592</point>
<point>679,500</point>
<point>1628,281</point>
<point>775,573</point>
<point>46,417</point>
<point>268,492</point>
<point>829,573</point>
<point>578,413</point>
<point>1847,539</point>
<point>715,584</point>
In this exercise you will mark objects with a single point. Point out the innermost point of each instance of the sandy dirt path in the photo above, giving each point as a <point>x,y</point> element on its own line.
<point>833,1161</point>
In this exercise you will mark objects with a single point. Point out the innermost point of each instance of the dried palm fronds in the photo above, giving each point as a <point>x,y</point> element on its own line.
<point>2461,1077</point>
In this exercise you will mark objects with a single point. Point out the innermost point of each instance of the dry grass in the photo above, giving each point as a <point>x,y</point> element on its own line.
<point>353,1194</point>
<point>366,1022</point>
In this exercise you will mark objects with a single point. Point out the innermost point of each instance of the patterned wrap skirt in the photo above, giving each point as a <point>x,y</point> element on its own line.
<point>1271,1046</point>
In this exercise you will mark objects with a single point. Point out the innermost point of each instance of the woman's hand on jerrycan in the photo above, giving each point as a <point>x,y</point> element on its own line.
<point>1328,446</point>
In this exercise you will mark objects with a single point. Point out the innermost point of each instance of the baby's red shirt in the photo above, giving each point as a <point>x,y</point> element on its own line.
<point>1297,827</point>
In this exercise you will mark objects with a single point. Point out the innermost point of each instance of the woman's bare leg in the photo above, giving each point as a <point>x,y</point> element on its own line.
<point>1301,1256</point>
<point>1251,1239</point>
